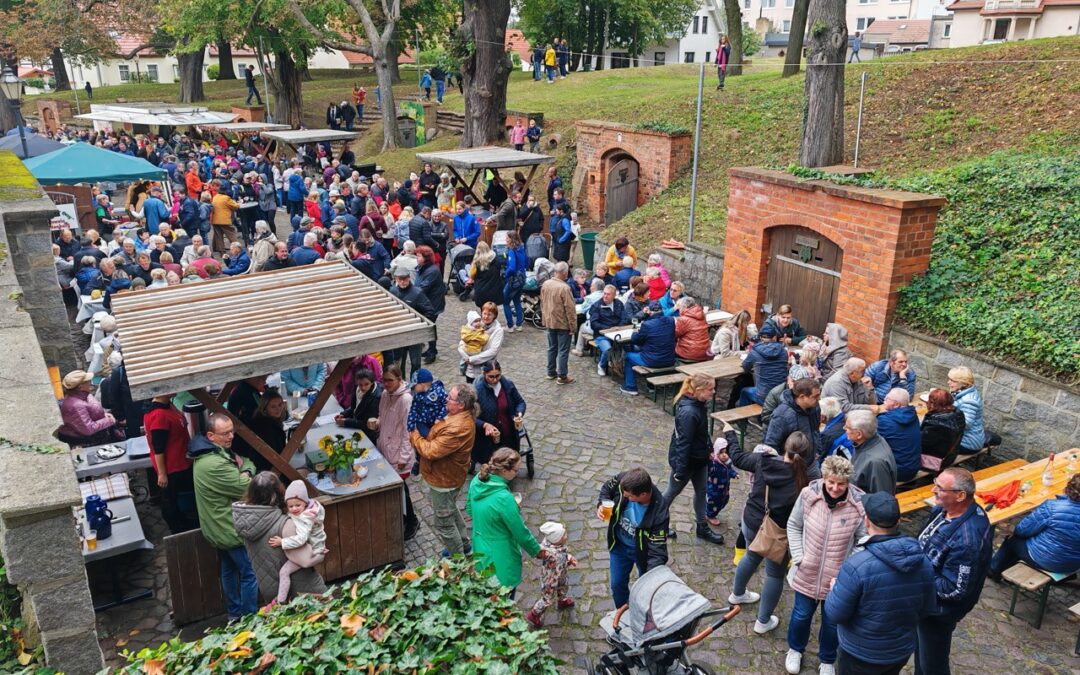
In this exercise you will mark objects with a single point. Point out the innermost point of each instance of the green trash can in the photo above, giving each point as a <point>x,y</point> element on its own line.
<point>588,248</point>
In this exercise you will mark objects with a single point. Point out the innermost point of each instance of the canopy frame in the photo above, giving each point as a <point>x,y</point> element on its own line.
<point>481,159</point>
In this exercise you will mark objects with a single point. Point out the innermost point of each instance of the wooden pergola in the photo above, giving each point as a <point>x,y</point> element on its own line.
<point>298,137</point>
<point>479,160</point>
<point>243,130</point>
<point>193,336</point>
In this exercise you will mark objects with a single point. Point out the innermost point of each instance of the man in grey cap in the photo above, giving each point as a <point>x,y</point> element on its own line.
<point>406,291</point>
<point>880,595</point>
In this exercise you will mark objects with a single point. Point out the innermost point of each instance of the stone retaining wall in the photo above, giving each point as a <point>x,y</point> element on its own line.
<point>1034,415</point>
<point>700,267</point>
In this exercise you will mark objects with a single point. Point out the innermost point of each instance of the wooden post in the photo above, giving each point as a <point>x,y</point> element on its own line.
<point>321,398</point>
<point>278,461</point>
<point>226,392</point>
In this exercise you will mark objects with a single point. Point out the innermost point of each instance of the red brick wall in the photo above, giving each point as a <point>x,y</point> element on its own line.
<point>660,158</point>
<point>885,236</point>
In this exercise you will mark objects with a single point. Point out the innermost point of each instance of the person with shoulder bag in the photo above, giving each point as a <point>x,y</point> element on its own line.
<point>776,484</point>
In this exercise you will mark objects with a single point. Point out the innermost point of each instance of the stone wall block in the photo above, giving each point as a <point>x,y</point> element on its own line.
<point>1040,390</point>
<point>78,652</point>
<point>1007,378</point>
<point>952,359</point>
<point>1024,409</point>
<point>29,562</point>
<point>997,397</point>
<point>1068,401</point>
<point>64,606</point>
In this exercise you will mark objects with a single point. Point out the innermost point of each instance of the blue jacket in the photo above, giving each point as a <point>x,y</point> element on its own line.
<point>425,81</point>
<point>789,418</point>
<point>296,239</point>
<point>885,379</point>
<point>655,340</point>
<point>489,405</point>
<point>622,278</point>
<point>668,305</point>
<point>516,261</point>
<point>304,378</point>
<point>969,402</point>
<point>302,255</point>
<point>1052,532</point>
<point>794,331</point>
<point>155,212</point>
<point>466,227</point>
<point>880,595</point>
<point>296,188</point>
<point>602,318</point>
<point>769,361</point>
<point>380,258</point>
<point>238,264</point>
<point>189,215</point>
<point>86,277</point>
<point>900,429</point>
<point>959,550</point>
<point>563,233</point>
<point>352,225</point>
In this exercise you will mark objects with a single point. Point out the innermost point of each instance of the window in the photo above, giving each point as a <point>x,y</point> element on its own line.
<point>746,4</point>
<point>125,73</point>
<point>789,3</point>
<point>694,30</point>
<point>660,59</point>
<point>240,68</point>
<point>768,4</point>
<point>151,72</point>
<point>861,23</point>
<point>620,59</point>
<point>704,25</point>
<point>688,57</point>
<point>175,73</point>
<point>787,26</point>
<point>867,2</point>
<point>707,55</point>
<point>946,30</point>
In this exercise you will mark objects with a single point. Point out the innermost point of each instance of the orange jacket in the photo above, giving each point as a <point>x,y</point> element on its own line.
<point>692,335</point>
<point>194,184</point>
<point>223,209</point>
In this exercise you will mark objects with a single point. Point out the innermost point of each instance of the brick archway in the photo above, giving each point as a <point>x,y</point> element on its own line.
<point>613,162</point>
<point>885,237</point>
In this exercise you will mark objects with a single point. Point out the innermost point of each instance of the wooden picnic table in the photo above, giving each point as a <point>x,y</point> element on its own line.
<point>1035,495</point>
<point>730,366</point>
<point>916,498</point>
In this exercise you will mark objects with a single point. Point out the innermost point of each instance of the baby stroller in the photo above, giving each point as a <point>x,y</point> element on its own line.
<point>530,293</point>
<point>651,638</point>
<point>459,270</point>
<point>526,451</point>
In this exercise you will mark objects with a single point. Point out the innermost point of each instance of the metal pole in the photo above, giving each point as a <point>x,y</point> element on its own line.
<point>266,87</point>
<point>418,77</point>
<point>78,108</point>
<point>697,145</point>
<point>22,130</point>
<point>858,126</point>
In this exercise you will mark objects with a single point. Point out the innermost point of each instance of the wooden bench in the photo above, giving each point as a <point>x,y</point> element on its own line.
<point>1035,582</point>
<point>913,500</point>
<point>1075,609</point>
<point>647,372</point>
<point>662,384</point>
<point>737,417</point>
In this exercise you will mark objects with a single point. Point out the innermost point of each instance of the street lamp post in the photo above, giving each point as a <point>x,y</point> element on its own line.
<point>12,89</point>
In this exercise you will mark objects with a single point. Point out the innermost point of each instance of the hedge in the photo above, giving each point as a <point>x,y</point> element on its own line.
<point>441,618</point>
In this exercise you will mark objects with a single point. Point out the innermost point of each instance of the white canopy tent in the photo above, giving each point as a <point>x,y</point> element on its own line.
<point>154,114</point>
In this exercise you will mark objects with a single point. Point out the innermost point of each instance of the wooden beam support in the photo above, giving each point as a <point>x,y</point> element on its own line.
<point>278,461</point>
<point>321,398</point>
<point>226,392</point>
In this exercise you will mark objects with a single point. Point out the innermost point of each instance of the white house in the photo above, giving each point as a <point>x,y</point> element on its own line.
<point>980,21</point>
<point>696,45</point>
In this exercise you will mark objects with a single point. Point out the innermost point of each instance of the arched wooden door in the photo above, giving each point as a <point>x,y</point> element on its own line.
<point>804,272</point>
<point>622,188</point>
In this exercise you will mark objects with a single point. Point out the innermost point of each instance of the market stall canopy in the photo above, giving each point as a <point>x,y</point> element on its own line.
<point>302,136</point>
<point>85,163</point>
<point>257,324</point>
<point>155,114</point>
<point>35,145</point>
<point>487,157</point>
<point>244,127</point>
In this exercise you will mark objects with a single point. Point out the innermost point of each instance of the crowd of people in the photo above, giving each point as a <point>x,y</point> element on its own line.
<point>839,434</point>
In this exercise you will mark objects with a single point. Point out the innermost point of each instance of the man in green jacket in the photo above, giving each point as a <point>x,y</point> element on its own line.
<point>222,478</point>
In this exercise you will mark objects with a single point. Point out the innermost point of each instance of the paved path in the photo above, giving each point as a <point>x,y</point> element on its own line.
<point>583,434</point>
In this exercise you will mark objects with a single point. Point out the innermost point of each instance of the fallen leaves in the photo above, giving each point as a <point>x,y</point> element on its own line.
<point>351,623</point>
<point>154,667</point>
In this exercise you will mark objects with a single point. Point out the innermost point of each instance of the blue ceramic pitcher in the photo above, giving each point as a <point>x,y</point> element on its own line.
<point>99,517</point>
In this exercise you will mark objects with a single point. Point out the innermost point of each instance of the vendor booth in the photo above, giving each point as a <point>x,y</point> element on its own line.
<point>241,134</point>
<point>310,138</point>
<point>35,145</point>
<point>85,163</point>
<point>259,324</point>
<point>158,117</point>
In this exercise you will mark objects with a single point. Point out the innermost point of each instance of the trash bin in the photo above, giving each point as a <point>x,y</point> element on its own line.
<point>407,132</point>
<point>588,248</point>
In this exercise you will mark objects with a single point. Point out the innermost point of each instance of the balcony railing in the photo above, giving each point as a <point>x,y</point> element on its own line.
<point>992,5</point>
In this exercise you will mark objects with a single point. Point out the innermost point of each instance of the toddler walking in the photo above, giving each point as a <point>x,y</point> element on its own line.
<point>307,547</point>
<point>718,483</point>
<point>428,403</point>
<point>554,588</point>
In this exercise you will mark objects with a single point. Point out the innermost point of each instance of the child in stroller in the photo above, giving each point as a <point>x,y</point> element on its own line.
<point>530,293</point>
<point>650,634</point>
<point>461,257</point>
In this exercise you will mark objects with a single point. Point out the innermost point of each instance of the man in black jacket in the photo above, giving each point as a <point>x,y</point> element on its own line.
<point>406,291</point>
<point>637,528</point>
<point>333,116</point>
<point>429,185</point>
<point>798,411</point>
<point>348,114</point>
<point>249,80</point>
<point>689,450</point>
<point>420,229</point>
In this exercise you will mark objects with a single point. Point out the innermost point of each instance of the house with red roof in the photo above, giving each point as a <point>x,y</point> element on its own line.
<point>983,21</point>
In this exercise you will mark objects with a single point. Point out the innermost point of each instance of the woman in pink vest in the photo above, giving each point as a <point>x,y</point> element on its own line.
<point>823,528</point>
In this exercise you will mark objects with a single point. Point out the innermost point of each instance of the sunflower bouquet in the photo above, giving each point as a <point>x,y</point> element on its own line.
<point>342,452</point>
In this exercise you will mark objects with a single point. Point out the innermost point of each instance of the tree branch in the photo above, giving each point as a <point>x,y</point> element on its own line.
<point>324,37</point>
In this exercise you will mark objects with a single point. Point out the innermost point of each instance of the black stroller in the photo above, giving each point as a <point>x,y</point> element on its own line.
<point>650,635</point>
<point>459,270</point>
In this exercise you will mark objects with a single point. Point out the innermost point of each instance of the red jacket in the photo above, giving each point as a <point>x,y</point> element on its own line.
<point>165,424</point>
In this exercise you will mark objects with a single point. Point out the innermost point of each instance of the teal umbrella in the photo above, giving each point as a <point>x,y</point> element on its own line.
<point>85,163</point>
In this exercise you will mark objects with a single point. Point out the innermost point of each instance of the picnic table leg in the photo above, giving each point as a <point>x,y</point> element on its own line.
<point>1044,595</point>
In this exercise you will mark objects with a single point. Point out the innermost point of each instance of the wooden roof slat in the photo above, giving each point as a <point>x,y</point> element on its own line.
<point>300,136</point>
<point>196,335</point>
<point>487,157</point>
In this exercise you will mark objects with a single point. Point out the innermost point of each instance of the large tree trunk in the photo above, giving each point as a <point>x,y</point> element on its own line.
<point>793,58</point>
<point>393,50</point>
<point>387,108</point>
<point>226,69</point>
<point>733,15</point>
<point>486,72</point>
<point>191,74</point>
<point>823,111</point>
<point>601,32</point>
<point>288,104</point>
<point>590,36</point>
<point>63,83</point>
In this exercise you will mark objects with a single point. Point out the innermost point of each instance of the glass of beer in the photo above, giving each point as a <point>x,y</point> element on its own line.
<point>517,498</point>
<point>91,540</point>
<point>518,422</point>
<point>606,507</point>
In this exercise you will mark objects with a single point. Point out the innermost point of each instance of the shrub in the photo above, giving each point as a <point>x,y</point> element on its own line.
<point>213,70</point>
<point>663,126</point>
<point>14,657</point>
<point>440,618</point>
<point>751,41</point>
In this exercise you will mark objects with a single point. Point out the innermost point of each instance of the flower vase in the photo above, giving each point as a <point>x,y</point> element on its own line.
<point>343,475</point>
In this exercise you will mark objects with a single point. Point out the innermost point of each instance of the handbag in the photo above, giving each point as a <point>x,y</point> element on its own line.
<point>771,539</point>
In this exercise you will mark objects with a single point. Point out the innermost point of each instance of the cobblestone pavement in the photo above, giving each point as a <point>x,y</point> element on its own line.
<point>584,433</point>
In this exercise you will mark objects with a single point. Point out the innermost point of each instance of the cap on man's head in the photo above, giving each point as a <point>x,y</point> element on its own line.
<point>402,272</point>
<point>75,378</point>
<point>422,376</point>
<point>768,330</point>
<point>882,509</point>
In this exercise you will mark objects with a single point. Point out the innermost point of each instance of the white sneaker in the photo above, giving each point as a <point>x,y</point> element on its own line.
<point>762,628</point>
<point>600,372</point>
<point>747,598</point>
<point>518,328</point>
<point>793,662</point>
<point>827,669</point>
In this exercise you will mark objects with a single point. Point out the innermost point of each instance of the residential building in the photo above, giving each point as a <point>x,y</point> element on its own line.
<point>980,21</point>
<point>894,36</point>
<point>697,44</point>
